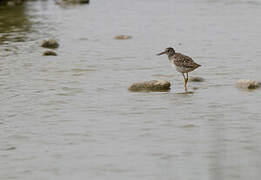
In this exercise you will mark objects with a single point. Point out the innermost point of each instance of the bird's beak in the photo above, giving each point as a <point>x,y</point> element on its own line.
<point>162,53</point>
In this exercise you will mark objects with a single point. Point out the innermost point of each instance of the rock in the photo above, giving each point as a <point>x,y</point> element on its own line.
<point>63,2</point>
<point>248,84</point>
<point>82,1</point>
<point>11,3</point>
<point>196,79</point>
<point>122,37</point>
<point>49,53</point>
<point>153,85</point>
<point>195,88</point>
<point>10,148</point>
<point>50,43</point>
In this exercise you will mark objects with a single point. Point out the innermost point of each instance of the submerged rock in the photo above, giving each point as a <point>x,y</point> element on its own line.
<point>196,79</point>
<point>122,37</point>
<point>10,148</point>
<point>248,84</point>
<point>50,43</point>
<point>153,85</point>
<point>11,3</point>
<point>49,53</point>
<point>63,2</point>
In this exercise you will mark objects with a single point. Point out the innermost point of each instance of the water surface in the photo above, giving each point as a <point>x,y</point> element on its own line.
<point>72,117</point>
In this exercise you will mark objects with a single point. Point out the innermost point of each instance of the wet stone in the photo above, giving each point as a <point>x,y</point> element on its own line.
<point>153,85</point>
<point>10,3</point>
<point>123,37</point>
<point>49,53</point>
<point>64,2</point>
<point>248,84</point>
<point>50,43</point>
<point>10,148</point>
<point>196,79</point>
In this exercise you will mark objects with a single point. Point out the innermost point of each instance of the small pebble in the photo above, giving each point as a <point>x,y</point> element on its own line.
<point>10,148</point>
<point>10,3</point>
<point>50,43</point>
<point>49,53</point>
<point>196,79</point>
<point>122,37</point>
<point>64,2</point>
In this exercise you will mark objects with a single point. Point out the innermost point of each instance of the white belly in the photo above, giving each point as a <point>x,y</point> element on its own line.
<point>179,69</point>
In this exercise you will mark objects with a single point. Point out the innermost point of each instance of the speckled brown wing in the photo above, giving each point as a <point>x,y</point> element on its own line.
<point>184,61</point>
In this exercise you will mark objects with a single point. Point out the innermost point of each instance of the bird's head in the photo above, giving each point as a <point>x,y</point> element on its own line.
<point>169,51</point>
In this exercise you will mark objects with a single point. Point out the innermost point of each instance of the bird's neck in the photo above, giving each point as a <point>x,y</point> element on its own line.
<point>171,55</point>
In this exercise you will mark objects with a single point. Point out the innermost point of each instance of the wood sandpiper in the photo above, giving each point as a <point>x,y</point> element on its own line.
<point>183,63</point>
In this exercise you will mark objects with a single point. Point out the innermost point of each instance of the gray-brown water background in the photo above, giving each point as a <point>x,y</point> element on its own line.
<point>72,117</point>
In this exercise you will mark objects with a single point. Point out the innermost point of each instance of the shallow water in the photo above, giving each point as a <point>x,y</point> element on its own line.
<point>72,117</point>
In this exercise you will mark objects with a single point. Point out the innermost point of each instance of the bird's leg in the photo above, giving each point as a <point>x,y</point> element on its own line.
<point>185,81</point>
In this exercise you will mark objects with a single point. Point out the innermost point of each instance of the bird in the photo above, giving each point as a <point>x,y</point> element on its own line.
<point>184,64</point>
